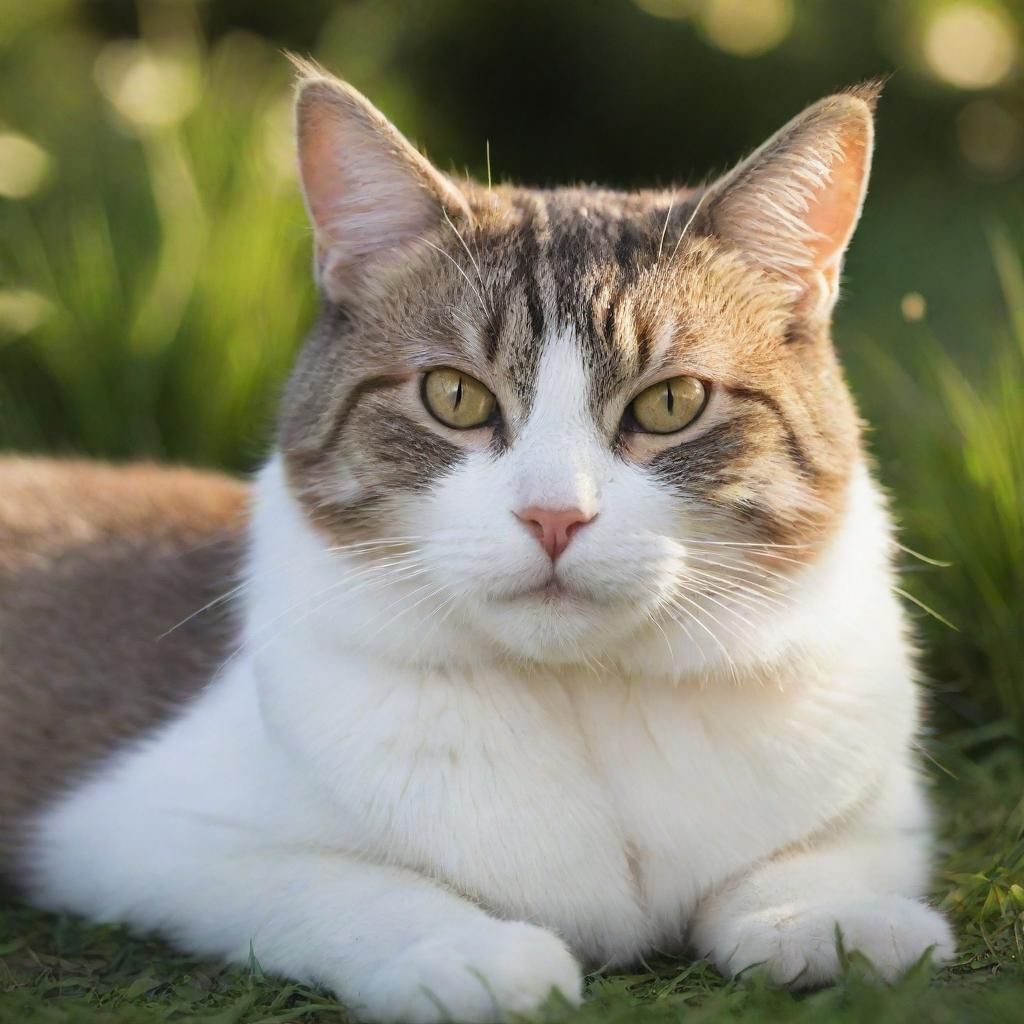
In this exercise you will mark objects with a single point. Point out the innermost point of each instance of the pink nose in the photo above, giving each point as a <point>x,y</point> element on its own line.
<point>553,528</point>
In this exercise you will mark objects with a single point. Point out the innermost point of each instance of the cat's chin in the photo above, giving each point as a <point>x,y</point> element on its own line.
<point>554,622</point>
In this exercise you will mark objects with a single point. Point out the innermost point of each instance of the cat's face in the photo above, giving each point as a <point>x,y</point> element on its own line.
<point>574,418</point>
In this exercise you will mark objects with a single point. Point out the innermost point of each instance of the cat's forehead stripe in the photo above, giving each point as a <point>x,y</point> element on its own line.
<point>573,260</point>
<point>532,259</point>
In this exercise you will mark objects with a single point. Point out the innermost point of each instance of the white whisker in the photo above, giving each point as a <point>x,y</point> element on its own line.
<point>686,226</point>
<point>743,567</point>
<point>693,618</point>
<point>735,589</point>
<point>664,227</point>
<point>358,547</point>
<point>336,590</point>
<point>455,263</point>
<point>472,258</point>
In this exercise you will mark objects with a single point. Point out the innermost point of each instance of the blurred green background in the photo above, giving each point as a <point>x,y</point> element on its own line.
<point>154,255</point>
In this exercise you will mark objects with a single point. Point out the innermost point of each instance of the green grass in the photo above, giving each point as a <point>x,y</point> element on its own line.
<point>172,264</point>
<point>59,970</point>
<point>952,454</point>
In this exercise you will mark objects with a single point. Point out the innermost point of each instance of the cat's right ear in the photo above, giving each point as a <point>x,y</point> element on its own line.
<point>793,204</point>
<point>369,193</point>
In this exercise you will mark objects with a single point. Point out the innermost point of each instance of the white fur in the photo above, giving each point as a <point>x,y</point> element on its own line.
<point>432,795</point>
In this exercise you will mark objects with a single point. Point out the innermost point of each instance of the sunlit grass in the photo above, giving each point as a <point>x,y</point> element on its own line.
<point>172,262</point>
<point>952,453</point>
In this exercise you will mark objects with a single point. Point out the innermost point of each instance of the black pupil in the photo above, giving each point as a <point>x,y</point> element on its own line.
<point>458,395</point>
<point>670,398</point>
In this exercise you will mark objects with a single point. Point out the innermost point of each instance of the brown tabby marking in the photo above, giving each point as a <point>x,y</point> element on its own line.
<point>96,563</point>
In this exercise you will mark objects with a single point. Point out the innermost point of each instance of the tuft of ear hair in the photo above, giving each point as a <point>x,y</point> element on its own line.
<point>369,193</point>
<point>791,206</point>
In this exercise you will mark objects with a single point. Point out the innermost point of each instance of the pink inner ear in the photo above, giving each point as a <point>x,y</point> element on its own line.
<point>321,175</point>
<point>365,193</point>
<point>833,214</point>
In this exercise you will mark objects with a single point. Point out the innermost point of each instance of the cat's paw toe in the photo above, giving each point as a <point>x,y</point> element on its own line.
<point>799,948</point>
<point>476,975</point>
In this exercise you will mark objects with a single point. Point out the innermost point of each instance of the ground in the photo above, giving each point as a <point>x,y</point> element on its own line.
<point>60,971</point>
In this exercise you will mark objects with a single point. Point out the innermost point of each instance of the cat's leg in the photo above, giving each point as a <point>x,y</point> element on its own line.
<point>862,882</point>
<point>393,945</point>
<point>205,834</point>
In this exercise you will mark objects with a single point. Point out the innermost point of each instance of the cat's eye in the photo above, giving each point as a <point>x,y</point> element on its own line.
<point>667,406</point>
<point>457,400</point>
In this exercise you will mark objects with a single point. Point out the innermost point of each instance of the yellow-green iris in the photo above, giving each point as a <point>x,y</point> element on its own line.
<point>456,399</point>
<point>669,405</point>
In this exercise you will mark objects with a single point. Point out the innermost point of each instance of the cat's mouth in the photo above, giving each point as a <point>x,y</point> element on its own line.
<point>551,591</point>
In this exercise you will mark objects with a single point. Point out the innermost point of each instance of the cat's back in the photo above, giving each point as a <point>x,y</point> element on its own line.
<point>98,564</point>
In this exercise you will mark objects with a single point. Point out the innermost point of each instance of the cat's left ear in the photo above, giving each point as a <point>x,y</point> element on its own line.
<point>370,194</point>
<point>793,204</point>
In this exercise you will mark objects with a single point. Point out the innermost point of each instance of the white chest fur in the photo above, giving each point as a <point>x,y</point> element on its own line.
<point>600,811</point>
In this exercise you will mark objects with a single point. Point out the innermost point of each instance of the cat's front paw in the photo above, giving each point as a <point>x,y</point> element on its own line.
<point>473,975</point>
<point>797,946</point>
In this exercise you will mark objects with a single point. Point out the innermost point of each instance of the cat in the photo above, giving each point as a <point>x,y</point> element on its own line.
<point>563,631</point>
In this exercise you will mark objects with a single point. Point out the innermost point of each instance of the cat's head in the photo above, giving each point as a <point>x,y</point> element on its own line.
<point>569,423</point>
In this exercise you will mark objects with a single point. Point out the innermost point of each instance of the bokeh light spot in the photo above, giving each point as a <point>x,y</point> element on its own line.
<point>991,138</point>
<point>22,310</point>
<point>970,45</point>
<point>147,89</point>
<point>746,28</point>
<point>913,307</point>
<point>24,166</point>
